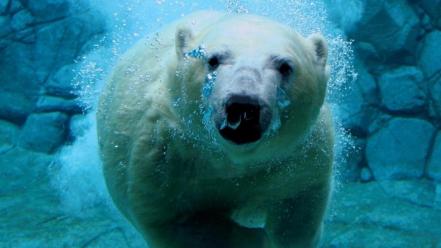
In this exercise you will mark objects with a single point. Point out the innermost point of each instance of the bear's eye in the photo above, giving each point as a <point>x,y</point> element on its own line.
<point>283,65</point>
<point>213,62</point>
<point>285,69</point>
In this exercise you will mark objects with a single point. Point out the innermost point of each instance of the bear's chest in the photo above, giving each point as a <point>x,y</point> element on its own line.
<point>198,183</point>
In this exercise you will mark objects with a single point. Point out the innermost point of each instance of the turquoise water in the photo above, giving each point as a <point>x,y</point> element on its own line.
<point>384,91</point>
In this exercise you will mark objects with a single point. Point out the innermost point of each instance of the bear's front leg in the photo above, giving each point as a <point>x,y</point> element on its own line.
<point>297,222</point>
<point>205,230</point>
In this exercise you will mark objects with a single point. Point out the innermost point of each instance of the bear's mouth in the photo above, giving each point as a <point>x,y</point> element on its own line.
<point>245,120</point>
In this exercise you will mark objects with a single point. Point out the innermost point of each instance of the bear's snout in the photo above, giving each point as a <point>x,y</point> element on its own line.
<point>246,119</point>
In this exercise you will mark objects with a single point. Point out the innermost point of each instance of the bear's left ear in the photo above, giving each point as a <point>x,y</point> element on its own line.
<point>183,37</point>
<point>320,48</point>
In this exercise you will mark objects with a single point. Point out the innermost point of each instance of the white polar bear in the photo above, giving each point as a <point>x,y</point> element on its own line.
<point>214,133</point>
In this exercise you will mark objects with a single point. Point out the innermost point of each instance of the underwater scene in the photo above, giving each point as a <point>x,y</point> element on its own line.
<point>220,124</point>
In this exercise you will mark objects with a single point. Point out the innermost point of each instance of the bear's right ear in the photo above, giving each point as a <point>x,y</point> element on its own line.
<point>183,38</point>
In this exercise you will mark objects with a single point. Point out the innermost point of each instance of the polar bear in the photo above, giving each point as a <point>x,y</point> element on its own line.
<point>214,133</point>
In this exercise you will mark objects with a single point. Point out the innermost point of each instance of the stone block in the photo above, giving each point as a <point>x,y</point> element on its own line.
<point>353,110</point>
<point>390,26</point>
<point>15,107</point>
<point>47,9</point>
<point>434,168</point>
<point>402,89</point>
<point>432,8</point>
<point>430,54</point>
<point>21,20</point>
<point>60,83</point>
<point>399,149</point>
<point>44,132</point>
<point>435,98</point>
<point>58,104</point>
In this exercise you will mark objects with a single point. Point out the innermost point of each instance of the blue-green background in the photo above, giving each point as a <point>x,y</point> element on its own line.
<point>385,92</point>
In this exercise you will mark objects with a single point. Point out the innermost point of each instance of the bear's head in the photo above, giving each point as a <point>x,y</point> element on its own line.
<point>252,81</point>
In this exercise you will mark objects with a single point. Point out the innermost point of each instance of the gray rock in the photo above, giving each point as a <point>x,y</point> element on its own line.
<point>419,192</point>
<point>377,121</point>
<point>58,104</point>
<point>3,5</point>
<point>349,161</point>
<point>402,89</point>
<point>365,175</point>
<point>44,132</point>
<point>15,107</point>
<point>367,53</point>
<point>32,217</point>
<point>60,83</point>
<point>5,28</point>
<point>367,235</point>
<point>435,98</point>
<point>62,42</point>
<point>8,131</point>
<point>426,23</point>
<point>390,26</point>
<point>434,168</point>
<point>399,149</point>
<point>386,214</point>
<point>55,45</point>
<point>432,7</point>
<point>79,124</point>
<point>15,6</point>
<point>438,197</point>
<point>353,109</point>
<point>8,135</point>
<point>344,13</point>
<point>29,57</point>
<point>93,36</point>
<point>22,70</point>
<point>21,20</point>
<point>21,169</point>
<point>365,81</point>
<point>31,214</point>
<point>430,54</point>
<point>48,9</point>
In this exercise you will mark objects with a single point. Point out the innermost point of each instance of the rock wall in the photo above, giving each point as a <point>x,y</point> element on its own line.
<point>394,109</point>
<point>39,42</point>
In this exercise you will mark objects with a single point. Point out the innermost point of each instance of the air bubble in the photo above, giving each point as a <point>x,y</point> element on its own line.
<point>207,88</point>
<point>160,2</point>
<point>198,53</point>
<point>282,99</point>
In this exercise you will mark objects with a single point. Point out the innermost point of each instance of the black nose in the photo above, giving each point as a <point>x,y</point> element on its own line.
<point>246,119</point>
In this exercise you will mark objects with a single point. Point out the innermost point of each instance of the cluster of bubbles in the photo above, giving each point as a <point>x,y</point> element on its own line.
<point>205,110</point>
<point>197,53</point>
<point>131,20</point>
